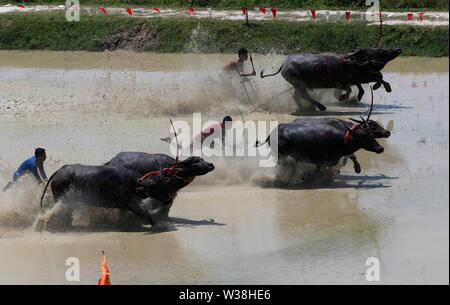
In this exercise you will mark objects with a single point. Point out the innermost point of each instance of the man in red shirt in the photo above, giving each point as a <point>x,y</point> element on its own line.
<point>218,128</point>
<point>238,64</point>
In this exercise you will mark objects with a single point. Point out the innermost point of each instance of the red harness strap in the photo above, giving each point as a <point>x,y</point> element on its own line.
<point>167,171</point>
<point>348,134</point>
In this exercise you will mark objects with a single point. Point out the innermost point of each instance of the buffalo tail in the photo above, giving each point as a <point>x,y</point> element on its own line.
<point>45,189</point>
<point>262,76</point>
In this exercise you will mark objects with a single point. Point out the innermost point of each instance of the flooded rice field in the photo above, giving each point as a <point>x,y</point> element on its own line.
<point>226,227</point>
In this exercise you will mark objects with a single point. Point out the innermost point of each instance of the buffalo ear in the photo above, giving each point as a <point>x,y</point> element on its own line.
<point>353,53</point>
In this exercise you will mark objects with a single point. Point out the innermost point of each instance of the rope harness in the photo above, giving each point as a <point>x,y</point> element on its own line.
<point>166,171</point>
<point>348,133</point>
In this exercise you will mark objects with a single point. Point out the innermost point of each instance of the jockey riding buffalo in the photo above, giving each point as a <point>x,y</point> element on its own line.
<point>107,187</point>
<point>311,71</point>
<point>182,173</point>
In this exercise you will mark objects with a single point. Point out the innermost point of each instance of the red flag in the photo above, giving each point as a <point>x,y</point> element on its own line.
<point>191,11</point>
<point>420,16</point>
<point>129,11</point>
<point>347,15</point>
<point>243,10</point>
<point>263,10</point>
<point>103,10</point>
<point>410,16</point>
<point>274,12</point>
<point>313,13</point>
<point>157,10</point>
<point>21,6</point>
<point>104,280</point>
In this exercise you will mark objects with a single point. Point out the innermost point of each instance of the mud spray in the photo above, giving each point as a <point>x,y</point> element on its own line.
<point>295,174</point>
<point>19,206</point>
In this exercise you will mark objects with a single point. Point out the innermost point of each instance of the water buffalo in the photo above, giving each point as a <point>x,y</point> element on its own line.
<point>182,174</point>
<point>311,71</point>
<point>322,145</point>
<point>107,187</point>
<point>343,126</point>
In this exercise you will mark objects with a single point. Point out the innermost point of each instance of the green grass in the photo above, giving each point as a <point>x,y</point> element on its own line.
<point>236,4</point>
<point>50,31</point>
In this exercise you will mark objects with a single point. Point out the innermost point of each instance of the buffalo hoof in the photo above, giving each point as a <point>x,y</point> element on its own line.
<point>357,168</point>
<point>388,88</point>
<point>321,107</point>
<point>376,86</point>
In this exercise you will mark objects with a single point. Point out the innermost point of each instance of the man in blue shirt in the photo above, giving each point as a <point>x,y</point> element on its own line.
<point>32,165</point>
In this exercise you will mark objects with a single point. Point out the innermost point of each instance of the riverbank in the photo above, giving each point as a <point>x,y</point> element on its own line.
<point>51,31</point>
<point>237,4</point>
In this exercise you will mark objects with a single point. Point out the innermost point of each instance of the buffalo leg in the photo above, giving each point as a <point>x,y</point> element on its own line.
<point>337,93</point>
<point>159,211</point>
<point>346,95</point>
<point>140,211</point>
<point>378,78</point>
<point>377,85</point>
<point>360,91</point>
<point>356,164</point>
<point>387,86</point>
<point>298,99</point>
<point>304,94</point>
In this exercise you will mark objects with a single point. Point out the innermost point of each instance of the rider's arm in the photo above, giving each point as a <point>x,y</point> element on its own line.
<point>36,174</point>
<point>41,171</point>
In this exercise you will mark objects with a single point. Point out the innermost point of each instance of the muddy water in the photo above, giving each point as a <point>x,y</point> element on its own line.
<point>85,107</point>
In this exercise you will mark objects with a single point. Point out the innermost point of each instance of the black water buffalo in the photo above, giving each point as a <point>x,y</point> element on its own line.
<point>312,71</point>
<point>107,187</point>
<point>322,145</point>
<point>343,126</point>
<point>183,173</point>
<point>143,163</point>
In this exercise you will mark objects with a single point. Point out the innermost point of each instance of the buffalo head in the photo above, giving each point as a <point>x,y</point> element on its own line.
<point>363,55</point>
<point>365,139</point>
<point>193,166</point>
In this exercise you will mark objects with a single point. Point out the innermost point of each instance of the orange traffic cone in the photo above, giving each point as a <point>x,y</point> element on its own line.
<point>104,280</point>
